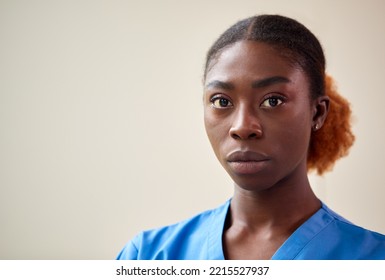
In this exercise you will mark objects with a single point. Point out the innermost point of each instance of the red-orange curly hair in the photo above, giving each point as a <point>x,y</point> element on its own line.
<point>335,138</point>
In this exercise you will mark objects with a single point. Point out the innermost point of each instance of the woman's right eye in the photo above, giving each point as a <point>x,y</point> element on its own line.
<point>221,102</point>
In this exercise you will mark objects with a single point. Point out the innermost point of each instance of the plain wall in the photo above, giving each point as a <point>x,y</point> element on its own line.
<point>101,120</point>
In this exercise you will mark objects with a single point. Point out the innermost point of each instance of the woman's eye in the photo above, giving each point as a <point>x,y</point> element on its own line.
<point>221,102</point>
<point>272,102</point>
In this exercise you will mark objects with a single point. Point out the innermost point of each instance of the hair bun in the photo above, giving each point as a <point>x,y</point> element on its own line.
<point>335,138</point>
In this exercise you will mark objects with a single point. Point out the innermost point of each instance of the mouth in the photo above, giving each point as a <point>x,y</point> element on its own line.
<point>247,162</point>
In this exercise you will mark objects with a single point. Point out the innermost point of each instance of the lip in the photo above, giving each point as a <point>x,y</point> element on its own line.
<point>239,156</point>
<point>247,162</point>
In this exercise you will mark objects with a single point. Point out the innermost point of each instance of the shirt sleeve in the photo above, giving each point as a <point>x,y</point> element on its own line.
<point>129,252</point>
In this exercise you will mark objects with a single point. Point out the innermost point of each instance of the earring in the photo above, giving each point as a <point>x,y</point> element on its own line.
<point>316,127</point>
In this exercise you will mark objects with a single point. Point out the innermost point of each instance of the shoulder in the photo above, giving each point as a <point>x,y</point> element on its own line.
<point>182,240</point>
<point>341,239</point>
<point>347,227</point>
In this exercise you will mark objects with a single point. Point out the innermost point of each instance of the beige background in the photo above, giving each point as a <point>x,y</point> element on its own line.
<point>101,131</point>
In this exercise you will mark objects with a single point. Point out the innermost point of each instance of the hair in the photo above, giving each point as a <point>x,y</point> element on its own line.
<point>297,43</point>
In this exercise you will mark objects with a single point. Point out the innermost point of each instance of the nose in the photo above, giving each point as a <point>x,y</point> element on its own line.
<point>246,125</point>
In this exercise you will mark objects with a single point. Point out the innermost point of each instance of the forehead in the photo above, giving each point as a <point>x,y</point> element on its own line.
<point>251,60</point>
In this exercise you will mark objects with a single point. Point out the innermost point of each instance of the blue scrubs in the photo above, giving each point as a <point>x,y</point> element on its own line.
<point>325,235</point>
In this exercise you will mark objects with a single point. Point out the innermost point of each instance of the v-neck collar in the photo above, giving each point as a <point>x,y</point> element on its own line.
<point>288,250</point>
<point>303,235</point>
<point>215,244</point>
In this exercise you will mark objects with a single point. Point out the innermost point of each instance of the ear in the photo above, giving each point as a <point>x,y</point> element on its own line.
<point>320,111</point>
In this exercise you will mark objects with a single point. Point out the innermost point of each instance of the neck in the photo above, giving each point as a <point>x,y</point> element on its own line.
<point>284,205</point>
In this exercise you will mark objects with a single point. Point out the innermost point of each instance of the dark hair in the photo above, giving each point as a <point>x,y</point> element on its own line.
<point>292,39</point>
<point>297,43</point>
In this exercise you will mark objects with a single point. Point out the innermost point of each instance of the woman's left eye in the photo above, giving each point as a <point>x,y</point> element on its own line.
<point>272,102</point>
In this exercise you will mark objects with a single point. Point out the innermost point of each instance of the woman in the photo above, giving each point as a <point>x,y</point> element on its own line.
<point>271,115</point>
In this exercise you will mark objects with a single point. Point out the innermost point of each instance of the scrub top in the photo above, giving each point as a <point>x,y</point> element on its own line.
<point>325,235</point>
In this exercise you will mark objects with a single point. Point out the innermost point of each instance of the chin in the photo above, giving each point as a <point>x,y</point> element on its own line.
<point>253,184</point>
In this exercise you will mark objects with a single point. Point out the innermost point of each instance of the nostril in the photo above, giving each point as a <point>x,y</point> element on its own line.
<point>247,130</point>
<point>235,136</point>
<point>239,136</point>
<point>252,136</point>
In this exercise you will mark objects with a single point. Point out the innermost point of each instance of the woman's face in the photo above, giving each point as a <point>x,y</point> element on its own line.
<point>258,115</point>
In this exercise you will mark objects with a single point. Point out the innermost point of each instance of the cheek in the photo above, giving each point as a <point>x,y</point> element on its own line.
<point>215,130</point>
<point>295,131</point>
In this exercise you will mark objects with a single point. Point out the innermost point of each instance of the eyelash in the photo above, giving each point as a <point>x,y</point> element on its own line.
<point>280,99</point>
<point>219,98</point>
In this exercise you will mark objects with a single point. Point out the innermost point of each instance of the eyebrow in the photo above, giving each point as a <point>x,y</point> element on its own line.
<point>269,81</point>
<point>220,85</point>
<point>255,84</point>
